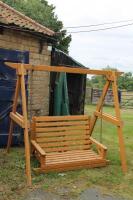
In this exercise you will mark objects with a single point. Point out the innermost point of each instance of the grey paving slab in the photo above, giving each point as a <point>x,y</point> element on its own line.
<point>94,194</point>
<point>88,194</point>
<point>40,194</point>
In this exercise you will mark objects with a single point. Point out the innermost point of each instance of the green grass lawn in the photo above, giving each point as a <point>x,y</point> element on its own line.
<point>109,179</point>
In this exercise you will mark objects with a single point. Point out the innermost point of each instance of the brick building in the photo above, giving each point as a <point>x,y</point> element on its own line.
<point>18,32</point>
<point>24,40</point>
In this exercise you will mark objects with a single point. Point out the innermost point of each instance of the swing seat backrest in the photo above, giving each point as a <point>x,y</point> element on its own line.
<point>61,133</point>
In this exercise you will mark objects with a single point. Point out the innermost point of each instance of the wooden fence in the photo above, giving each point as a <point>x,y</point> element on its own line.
<point>125,97</point>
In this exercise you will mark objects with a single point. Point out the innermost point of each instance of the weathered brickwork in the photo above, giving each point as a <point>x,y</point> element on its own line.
<point>38,87</point>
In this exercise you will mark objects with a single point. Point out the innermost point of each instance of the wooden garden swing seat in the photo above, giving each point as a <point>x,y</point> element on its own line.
<point>63,143</point>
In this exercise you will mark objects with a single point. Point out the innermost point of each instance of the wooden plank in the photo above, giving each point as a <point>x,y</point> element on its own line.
<point>75,70</point>
<point>75,163</point>
<point>19,115</point>
<point>69,144</point>
<point>68,158</point>
<point>14,108</point>
<point>119,128</point>
<point>70,153</point>
<point>108,118</point>
<point>61,156</point>
<point>99,105</point>
<point>72,157</point>
<point>62,138</point>
<point>66,123</point>
<point>66,168</point>
<point>64,143</point>
<point>98,143</point>
<point>38,148</point>
<point>26,133</point>
<point>61,118</point>
<point>33,136</point>
<point>63,149</point>
<point>33,130</point>
<point>63,128</point>
<point>62,133</point>
<point>17,119</point>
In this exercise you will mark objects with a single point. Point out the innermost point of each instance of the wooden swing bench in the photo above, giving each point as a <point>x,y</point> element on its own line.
<point>63,143</point>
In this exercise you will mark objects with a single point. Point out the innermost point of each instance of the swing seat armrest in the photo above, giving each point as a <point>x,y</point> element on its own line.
<point>98,144</point>
<point>38,148</point>
<point>101,149</point>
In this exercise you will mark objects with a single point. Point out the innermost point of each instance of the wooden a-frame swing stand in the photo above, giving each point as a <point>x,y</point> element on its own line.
<point>64,156</point>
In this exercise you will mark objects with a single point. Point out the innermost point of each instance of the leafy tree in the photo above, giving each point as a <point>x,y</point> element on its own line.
<point>42,12</point>
<point>98,81</point>
<point>125,81</point>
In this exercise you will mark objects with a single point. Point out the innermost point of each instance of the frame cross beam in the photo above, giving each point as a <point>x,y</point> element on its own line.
<point>74,70</point>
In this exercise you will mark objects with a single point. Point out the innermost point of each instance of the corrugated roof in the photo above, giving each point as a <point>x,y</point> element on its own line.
<point>9,15</point>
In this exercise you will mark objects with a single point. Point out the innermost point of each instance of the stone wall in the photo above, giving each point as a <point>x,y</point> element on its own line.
<point>38,87</point>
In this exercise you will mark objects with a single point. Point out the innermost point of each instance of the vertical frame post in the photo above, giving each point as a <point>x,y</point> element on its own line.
<point>26,132</point>
<point>119,128</point>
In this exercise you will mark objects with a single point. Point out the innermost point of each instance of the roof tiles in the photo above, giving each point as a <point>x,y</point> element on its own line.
<point>9,15</point>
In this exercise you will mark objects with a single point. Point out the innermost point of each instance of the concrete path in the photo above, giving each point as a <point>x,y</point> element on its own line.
<point>94,194</point>
<point>89,194</point>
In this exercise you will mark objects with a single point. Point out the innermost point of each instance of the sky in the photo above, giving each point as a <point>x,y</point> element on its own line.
<point>97,50</point>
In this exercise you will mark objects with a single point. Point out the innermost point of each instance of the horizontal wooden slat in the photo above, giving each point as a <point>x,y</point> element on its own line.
<point>63,128</point>
<point>63,149</point>
<point>62,133</point>
<point>70,157</point>
<point>62,138</point>
<point>64,143</point>
<point>61,118</point>
<point>64,168</point>
<point>70,153</point>
<point>75,164</point>
<point>75,159</point>
<point>66,123</point>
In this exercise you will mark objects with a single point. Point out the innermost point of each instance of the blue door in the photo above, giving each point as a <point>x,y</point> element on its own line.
<point>7,88</point>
